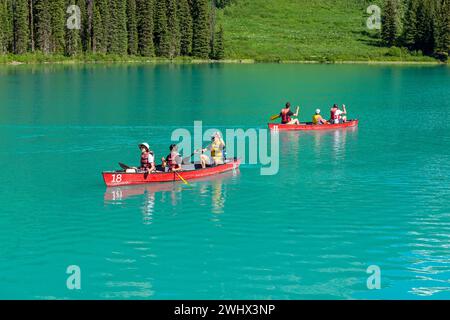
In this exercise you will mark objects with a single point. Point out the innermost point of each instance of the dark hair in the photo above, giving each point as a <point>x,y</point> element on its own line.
<point>172,146</point>
<point>288,105</point>
<point>335,105</point>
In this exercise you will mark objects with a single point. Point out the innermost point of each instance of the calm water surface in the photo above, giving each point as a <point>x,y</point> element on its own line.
<point>342,200</point>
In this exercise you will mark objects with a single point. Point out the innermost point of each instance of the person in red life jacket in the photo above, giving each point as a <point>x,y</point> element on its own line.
<point>334,118</point>
<point>173,159</point>
<point>286,115</point>
<point>337,115</point>
<point>147,158</point>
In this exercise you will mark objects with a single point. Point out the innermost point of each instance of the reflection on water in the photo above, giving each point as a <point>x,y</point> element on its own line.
<point>152,194</point>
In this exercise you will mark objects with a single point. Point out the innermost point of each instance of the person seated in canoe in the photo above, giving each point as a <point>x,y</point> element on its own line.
<point>344,113</point>
<point>337,115</point>
<point>217,148</point>
<point>173,159</point>
<point>317,118</point>
<point>286,115</point>
<point>147,159</point>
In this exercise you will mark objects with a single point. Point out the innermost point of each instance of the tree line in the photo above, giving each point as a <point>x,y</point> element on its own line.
<point>419,25</point>
<point>151,28</point>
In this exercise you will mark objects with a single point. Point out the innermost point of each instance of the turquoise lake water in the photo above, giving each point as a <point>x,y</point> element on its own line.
<point>342,200</point>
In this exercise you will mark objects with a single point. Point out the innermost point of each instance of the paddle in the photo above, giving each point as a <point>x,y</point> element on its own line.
<point>179,176</point>
<point>274,117</point>
<point>124,166</point>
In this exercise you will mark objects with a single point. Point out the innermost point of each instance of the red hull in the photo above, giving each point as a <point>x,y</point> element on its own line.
<point>310,126</point>
<point>120,178</point>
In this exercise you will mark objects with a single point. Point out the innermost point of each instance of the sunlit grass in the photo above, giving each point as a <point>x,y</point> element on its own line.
<point>317,30</point>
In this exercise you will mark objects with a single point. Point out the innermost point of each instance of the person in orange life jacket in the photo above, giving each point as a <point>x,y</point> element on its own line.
<point>337,115</point>
<point>286,115</point>
<point>147,158</point>
<point>173,159</point>
<point>217,148</point>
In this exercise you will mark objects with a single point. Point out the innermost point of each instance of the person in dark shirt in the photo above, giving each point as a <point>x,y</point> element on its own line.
<point>286,115</point>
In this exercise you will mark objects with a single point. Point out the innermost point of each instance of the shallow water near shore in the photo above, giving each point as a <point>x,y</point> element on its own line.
<point>342,200</point>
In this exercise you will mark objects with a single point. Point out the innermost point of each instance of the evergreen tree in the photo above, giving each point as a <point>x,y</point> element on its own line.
<point>219,49</point>
<point>389,23</point>
<point>57,10</point>
<point>73,44</point>
<point>201,34</point>
<point>5,27</point>
<point>112,27</point>
<point>212,28</point>
<point>43,29</point>
<point>425,28</point>
<point>87,35</point>
<point>116,27</point>
<point>20,26</point>
<point>132,27</point>
<point>410,25</point>
<point>84,31</point>
<point>173,28</point>
<point>161,33</point>
<point>200,38</point>
<point>442,27</point>
<point>185,20</point>
<point>98,29</point>
<point>122,37</point>
<point>145,27</point>
<point>31,24</point>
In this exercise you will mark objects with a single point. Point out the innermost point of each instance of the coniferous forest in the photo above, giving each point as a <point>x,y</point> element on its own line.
<point>419,25</point>
<point>150,28</point>
<point>190,28</point>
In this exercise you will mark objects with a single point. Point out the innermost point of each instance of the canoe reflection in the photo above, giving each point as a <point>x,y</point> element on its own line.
<point>173,192</point>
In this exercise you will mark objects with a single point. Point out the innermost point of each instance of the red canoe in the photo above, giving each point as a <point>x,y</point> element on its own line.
<point>121,178</point>
<point>310,126</point>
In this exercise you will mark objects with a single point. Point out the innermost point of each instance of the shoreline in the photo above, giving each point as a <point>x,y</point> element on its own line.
<point>18,61</point>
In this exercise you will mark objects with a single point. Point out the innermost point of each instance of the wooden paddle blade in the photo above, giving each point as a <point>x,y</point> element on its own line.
<point>182,179</point>
<point>124,166</point>
<point>274,117</point>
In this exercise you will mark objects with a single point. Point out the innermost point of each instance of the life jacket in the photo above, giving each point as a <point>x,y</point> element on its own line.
<point>172,160</point>
<point>333,115</point>
<point>316,119</point>
<point>144,160</point>
<point>285,118</point>
<point>216,150</point>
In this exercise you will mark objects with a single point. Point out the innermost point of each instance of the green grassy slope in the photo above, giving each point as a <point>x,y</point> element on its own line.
<point>319,30</point>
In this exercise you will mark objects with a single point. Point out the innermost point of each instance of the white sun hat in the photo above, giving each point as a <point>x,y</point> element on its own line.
<point>317,111</point>
<point>145,144</point>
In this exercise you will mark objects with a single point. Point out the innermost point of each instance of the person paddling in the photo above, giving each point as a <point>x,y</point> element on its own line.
<point>333,114</point>
<point>337,115</point>
<point>173,159</point>
<point>286,115</point>
<point>147,158</point>
<point>317,118</point>
<point>217,147</point>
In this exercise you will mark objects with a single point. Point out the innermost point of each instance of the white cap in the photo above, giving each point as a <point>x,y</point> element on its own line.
<point>317,111</point>
<point>145,144</point>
